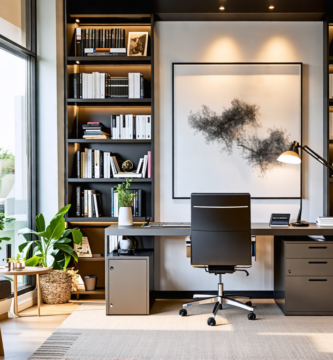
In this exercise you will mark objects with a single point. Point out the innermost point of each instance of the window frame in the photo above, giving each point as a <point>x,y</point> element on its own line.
<point>31,57</point>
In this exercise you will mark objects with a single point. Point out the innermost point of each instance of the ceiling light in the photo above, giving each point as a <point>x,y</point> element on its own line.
<point>271,7</point>
<point>221,8</point>
<point>77,20</point>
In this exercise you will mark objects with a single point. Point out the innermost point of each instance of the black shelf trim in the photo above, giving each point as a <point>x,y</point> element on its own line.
<point>111,180</point>
<point>107,141</point>
<point>100,219</point>
<point>110,101</point>
<point>95,60</point>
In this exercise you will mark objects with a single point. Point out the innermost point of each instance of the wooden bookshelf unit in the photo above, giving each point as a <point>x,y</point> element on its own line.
<point>80,111</point>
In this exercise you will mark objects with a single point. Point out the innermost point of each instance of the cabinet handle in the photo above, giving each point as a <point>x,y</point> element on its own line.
<point>111,268</point>
<point>317,247</point>
<point>111,305</point>
<point>317,279</point>
<point>317,262</point>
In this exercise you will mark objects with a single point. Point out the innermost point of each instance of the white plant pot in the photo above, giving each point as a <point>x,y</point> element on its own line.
<point>125,217</point>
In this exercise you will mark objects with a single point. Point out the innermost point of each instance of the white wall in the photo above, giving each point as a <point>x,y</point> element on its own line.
<point>50,107</point>
<point>233,42</point>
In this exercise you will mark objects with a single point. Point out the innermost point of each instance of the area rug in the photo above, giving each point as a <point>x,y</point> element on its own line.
<point>164,335</point>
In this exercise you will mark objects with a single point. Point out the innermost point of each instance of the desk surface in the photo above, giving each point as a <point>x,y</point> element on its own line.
<point>257,229</point>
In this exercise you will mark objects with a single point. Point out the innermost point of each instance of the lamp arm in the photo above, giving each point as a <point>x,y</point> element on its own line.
<point>316,156</point>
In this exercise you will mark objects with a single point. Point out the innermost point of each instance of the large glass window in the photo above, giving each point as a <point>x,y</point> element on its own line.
<point>17,122</point>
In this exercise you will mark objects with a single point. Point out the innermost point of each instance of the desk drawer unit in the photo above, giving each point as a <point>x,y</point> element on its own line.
<point>303,277</point>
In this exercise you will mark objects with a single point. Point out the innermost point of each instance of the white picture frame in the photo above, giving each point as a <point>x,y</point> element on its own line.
<point>137,44</point>
<point>208,156</point>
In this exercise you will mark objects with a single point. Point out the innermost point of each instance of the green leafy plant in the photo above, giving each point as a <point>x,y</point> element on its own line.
<point>9,162</point>
<point>125,197</point>
<point>52,249</point>
<point>3,222</point>
<point>19,258</point>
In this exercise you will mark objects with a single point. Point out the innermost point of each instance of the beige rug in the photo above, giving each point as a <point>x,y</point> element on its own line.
<point>164,335</point>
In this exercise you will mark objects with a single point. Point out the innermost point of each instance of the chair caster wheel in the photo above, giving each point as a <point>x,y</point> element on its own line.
<point>182,312</point>
<point>211,321</point>
<point>251,316</point>
<point>248,303</point>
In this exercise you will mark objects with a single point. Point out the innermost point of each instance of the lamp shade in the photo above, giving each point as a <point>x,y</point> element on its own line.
<point>291,156</point>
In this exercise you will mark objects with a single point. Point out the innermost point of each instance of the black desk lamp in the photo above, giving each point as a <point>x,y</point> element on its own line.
<point>292,157</point>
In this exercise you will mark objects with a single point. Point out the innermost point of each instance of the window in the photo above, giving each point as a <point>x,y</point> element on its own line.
<point>17,121</point>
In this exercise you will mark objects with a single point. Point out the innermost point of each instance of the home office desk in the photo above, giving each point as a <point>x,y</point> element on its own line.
<point>303,268</point>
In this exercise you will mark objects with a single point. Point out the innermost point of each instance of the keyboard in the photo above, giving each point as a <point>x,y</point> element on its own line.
<point>170,224</point>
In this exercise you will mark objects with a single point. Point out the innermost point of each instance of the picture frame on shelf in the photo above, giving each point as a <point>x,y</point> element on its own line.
<point>137,44</point>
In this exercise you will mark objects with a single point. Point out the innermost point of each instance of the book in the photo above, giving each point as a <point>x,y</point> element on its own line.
<point>138,170</point>
<point>149,164</point>
<point>78,41</point>
<point>78,201</point>
<point>144,168</point>
<point>78,164</point>
<point>127,175</point>
<point>84,249</point>
<point>148,127</point>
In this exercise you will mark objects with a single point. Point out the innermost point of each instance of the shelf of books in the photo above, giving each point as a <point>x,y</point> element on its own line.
<point>109,125</point>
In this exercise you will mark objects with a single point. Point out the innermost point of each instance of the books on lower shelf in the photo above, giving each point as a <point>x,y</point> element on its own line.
<point>131,126</point>
<point>88,203</point>
<point>84,249</point>
<point>100,86</point>
<point>113,242</point>
<point>136,207</point>
<point>98,164</point>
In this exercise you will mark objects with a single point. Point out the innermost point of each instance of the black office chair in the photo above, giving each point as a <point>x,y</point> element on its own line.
<point>221,241</point>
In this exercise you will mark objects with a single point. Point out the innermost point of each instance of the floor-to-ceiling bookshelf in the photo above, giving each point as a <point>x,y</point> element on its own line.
<point>80,111</point>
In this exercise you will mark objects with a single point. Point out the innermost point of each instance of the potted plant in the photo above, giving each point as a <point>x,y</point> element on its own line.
<point>16,263</point>
<point>125,201</point>
<point>53,250</point>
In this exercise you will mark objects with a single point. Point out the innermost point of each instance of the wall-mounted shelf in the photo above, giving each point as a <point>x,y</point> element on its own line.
<point>108,141</point>
<point>109,101</point>
<point>102,60</point>
<point>101,258</point>
<point>112,180</point>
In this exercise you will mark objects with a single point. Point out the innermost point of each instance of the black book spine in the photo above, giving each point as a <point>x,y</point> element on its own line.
<point>106,38</point>
<point>93,210</point>
<point>90,38</point>
<point>142,87</point>
<point>103,43</point>
<point>101,164</point>
<point>113,38</point>
<point>93,37</point>
<point>122,38</point>
<point>82,204</point>
<point>97,39</point>
<point>78,42</point>
<point>75,87</point>
<point>78,164</point>
<point>93,164</point>
<point>134,127</point>
<point>83,41</point>
<point>140,202</point>
<point>126,88</point>
<point>99,204</point>
<point>78,201</point>
<point>136,203</point>
<point>101,38</point>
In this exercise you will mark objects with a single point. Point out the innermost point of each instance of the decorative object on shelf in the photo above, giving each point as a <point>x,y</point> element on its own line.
<point>90,282</point>
<point>127,166</point>
<point>240,129</point>
<point>83,249</point>
<point>292,157</point>
<point>137,43</point>
<point>53,251</point>
<point>125,243</point>
<point>125,202</point>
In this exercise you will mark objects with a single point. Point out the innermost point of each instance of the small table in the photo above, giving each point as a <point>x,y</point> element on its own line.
<point>28,270</point>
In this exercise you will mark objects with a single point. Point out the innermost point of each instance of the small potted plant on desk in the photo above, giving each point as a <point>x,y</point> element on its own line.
<point>125,202</point>
<point>52,250</point>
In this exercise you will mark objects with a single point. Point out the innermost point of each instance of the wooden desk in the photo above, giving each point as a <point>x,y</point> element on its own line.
<point>29,270</point>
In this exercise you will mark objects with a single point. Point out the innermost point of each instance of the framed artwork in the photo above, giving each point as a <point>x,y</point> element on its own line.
<point>137,44</point>
<point>230,122</point>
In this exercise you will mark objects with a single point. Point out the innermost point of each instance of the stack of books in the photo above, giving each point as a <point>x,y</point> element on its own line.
<point>324,221</point>
<point>95,130</point>
<point>131,127</point>
<point>88,203</point>
<point>99,39</point>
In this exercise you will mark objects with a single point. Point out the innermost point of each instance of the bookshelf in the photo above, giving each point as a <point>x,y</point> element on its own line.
<point>80,111</point>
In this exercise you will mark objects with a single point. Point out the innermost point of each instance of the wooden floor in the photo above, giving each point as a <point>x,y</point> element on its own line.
<point>22,336</point>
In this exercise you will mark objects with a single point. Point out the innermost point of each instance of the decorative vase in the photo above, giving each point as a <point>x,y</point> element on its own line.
<point>125,216</point>
<point>126,244</point>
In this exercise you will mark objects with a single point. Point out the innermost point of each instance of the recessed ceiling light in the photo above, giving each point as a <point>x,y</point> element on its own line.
<point>78,62</point>
<point>271,7</point>
<point>221,8</point>
<point>77,20</point>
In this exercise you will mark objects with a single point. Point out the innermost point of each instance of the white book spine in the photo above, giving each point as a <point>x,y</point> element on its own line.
<point>90,86</point>
<point>96,205</point>
<point>138,170</point>
<point>102,85</point>
<point>130,126</point>
<point>85,164</point>
<point>144,169</point>
<point>97,164</point>
<point>116,204</point>
<point>89,204</point>
<point>117,127</point>
<point>113,166</point>
<point>137,85</point>
<point>105,168</point>
<point>148,127</point>
<point>89,154</point>
<point>143,127</point>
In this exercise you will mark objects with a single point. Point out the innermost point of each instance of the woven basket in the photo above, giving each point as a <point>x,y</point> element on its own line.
<point>56,287</point>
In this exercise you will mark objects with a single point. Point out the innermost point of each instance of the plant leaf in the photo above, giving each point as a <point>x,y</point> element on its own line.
<point>24,245</point>
<point>66,232</point>
<point>62,240</point>
<point>26,231</point>
<point>56,228</point>
<point>67,249</point>
<point>4,239</point>
<point>64,210</point>
<point>77,236</point>
<point>67,260</point>
<point>33,261</point>
<point>49,260</point>
<point>40,222</point>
